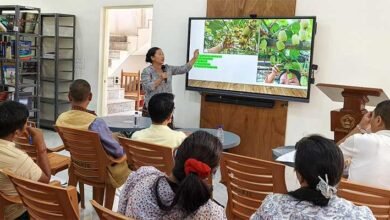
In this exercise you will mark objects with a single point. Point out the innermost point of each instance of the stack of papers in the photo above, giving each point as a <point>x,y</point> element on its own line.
<point>289,157</point>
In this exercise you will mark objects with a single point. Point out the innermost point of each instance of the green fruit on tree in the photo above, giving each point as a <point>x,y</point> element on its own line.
<point>246,32</point>
<point>304,24</point>
<point>263,44</point>
<point>295,39</point>
<point>242,41</point>
<point>302,35</point>
<point>280,45</point>
<point>282,36</point>
<point>272,59</point>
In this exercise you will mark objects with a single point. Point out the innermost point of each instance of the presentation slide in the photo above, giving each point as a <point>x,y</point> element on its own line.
<point>263,56</point>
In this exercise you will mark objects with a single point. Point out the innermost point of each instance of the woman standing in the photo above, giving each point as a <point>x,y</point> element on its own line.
<point>157,77</point>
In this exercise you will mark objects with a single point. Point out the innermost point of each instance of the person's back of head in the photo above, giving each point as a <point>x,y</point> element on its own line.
<point>80,91</point>
<point>381,118</point>
<point>319,165</point>
<point>161,107</point>
<point>195,160</point>
<point>13,118</point>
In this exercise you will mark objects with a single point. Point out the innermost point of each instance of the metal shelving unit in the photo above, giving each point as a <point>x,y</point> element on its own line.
<point>58,64</point>
<point>25,86</point>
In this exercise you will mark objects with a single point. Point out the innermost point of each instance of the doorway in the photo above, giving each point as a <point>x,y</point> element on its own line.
<point>127,34</point>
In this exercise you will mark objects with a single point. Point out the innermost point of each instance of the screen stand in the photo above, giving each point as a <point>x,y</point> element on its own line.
<point>236,100</point>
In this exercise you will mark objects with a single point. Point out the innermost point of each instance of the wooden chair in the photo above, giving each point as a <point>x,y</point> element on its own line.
<point>131,82</point>
<point>57,161</point>
<point>144,154</point>
<point>377,199</point>
<point>44,201</point>
<point>89,164</point>
<point>6,200</point>
<point>107,214</point>
<point>249,181</point>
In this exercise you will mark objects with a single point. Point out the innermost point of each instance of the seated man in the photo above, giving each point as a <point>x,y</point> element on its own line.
<point>160,108</point>
<point>368,148</point>
<point>13,119</point>
<point>80,118</point>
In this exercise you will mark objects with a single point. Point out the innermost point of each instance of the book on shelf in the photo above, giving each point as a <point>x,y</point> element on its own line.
<point>25,52</point>
<point>9,74</point>
<point>28,22</point>
<point>26,99</point>
<point>7,22</point>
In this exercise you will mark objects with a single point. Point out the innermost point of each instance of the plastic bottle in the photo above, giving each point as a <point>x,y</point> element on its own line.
<point>136,119</point>
<point>220,133</point>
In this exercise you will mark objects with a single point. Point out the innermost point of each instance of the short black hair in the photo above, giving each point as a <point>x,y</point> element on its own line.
<point>161,106</point>
<point>13,116</point>
<point>151,52</point>
<point>317,156</point>
<point>79,90</point>
<point>383,110</point>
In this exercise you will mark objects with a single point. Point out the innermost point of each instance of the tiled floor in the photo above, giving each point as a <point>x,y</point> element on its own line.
<point>52,140</point>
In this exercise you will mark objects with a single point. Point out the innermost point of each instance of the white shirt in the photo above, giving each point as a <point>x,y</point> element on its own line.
<point>160,135</point>
<point>370,158</point>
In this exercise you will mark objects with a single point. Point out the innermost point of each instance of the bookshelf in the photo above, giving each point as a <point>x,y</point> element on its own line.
<point>20,56</point>
<point>57,64</point>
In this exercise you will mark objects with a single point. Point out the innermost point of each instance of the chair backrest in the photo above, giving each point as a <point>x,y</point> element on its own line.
<point>6,200</point>
<point>131,81</point>
<point>22,143</point>
<point>144,154</point>
<point>88,158</point>
<point>249,181</point>
<point>107,214</point>
<point>378,200</point>
<point>44,201</point>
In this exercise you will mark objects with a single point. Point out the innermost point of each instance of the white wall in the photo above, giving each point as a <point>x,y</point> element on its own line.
<point>351,48</point>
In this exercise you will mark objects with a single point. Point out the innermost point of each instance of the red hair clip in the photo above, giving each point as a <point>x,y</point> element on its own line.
<point>199,168</point>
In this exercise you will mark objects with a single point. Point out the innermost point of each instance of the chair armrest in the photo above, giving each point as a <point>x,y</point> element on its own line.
<point>11,199</point>
<point>56,149</point>
<point>118,160</point>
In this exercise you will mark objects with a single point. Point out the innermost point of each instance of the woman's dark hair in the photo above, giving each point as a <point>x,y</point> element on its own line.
<point>160,107</point>
<point>317,156</point>
<point>13,116</point>
<point>151,52</point>
<point>191,191</point>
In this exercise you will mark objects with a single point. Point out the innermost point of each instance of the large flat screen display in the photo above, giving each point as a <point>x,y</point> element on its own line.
<point>267,58</point>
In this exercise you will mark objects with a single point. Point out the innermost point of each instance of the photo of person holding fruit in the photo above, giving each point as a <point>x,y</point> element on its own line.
<point>289,77</point>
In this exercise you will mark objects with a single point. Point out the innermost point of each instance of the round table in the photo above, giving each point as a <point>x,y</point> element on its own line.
<point>120,123</point>
<point>230,139</point>
<point>125,123</point>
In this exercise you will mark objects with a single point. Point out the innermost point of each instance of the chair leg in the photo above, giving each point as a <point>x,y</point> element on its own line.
<point>109,197</point>
<point>82,195</point>
<point>98,194</point>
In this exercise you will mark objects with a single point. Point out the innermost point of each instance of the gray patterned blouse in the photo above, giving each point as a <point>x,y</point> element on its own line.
<point>283,206</point>
<point>149,75</point>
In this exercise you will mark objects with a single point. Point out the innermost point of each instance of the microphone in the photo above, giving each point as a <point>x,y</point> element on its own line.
<point>163,67</point>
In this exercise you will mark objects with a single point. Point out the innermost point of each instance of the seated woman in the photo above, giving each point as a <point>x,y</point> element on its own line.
<point>319,165</point>
<point>150,194</point>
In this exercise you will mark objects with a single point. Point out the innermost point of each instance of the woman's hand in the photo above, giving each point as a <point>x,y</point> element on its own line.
<point>196,54</point>
<point>194,58</point>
